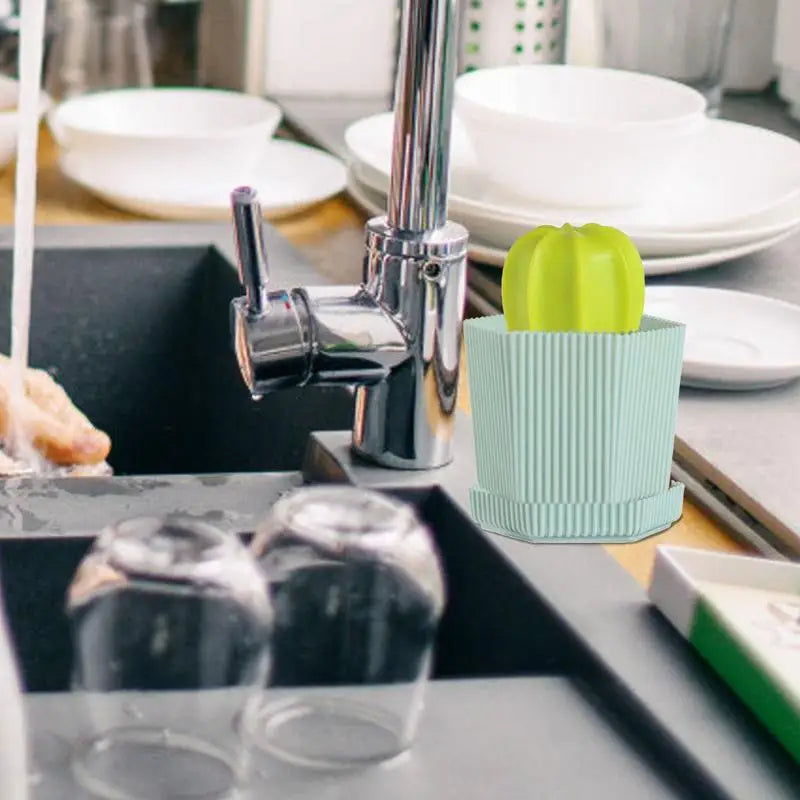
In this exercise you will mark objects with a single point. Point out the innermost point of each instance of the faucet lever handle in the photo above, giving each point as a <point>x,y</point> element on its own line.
<point>248,227</point>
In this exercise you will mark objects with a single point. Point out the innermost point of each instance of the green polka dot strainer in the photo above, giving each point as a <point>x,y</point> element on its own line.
<point>498,32</point>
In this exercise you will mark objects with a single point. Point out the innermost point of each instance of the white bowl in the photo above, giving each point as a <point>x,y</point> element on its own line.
<point>577,136</point>
<point>210,132</point>
<point>9,96</point>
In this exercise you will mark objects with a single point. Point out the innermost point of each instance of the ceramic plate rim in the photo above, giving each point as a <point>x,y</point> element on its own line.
<point>653,266</point>
<point>335,182</point>
<point>700,372</point>
<point>663,265</point>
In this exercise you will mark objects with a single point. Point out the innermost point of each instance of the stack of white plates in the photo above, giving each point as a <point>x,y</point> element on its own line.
<point>737,192</point>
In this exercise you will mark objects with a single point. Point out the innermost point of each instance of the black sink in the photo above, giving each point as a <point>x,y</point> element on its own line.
<point>140,339</point>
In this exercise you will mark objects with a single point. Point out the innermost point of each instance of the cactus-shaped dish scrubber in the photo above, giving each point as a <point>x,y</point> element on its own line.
<point>586,279</point>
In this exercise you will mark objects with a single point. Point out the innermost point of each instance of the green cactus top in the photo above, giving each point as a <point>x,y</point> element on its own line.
<point>587,279</point>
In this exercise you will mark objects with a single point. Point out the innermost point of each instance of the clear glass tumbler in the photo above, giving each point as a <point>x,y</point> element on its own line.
<point>170,625</point>
<point>100,44</point>
<point>686,40</point>
<point>358,592</point>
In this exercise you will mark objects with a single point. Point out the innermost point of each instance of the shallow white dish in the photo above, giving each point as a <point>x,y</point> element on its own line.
<point>289,177</point>
<point>187,129</point>
<point>740,183</point>
<point>374,202</point>
<point>734,340</point>
<point>570,135</point>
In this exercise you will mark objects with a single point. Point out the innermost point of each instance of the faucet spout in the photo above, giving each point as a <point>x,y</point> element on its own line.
<point>397,337</point>
<point>306,335</point>
<point>317,335</point>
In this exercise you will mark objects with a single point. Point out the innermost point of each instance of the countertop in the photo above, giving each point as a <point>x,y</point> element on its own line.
<point>330,236</point>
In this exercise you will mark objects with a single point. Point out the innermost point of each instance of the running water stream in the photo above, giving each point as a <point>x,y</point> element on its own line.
<point>28,115</point>
<point>13,727</point>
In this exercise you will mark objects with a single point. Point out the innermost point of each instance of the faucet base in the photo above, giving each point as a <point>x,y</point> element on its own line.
<point>405,421</point>
<point>390,461</point>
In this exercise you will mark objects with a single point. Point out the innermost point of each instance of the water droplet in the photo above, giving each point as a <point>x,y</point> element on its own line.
<point>132,711</point>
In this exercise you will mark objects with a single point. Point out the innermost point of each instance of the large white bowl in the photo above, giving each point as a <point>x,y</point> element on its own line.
<point>577,136</point>
<point>210,132</point>
<point>9,96</point>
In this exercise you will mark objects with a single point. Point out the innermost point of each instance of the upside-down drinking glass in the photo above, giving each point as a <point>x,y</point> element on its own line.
<point>358,592</point>
<point>170,624</point>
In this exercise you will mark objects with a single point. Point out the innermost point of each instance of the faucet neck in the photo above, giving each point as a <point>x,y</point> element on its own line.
<point>423,103</point>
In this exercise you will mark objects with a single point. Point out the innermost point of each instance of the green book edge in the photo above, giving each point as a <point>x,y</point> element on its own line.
<point>745,676</point>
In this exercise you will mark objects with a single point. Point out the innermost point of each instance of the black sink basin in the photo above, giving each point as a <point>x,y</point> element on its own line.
<point>140,339</point>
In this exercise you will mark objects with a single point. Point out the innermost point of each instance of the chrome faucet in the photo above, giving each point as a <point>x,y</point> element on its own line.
<point>397,336</point>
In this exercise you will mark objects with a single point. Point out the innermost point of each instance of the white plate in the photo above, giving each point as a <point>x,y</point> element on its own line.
<point>374,202</point>
<point>666,265</point>
<point>289,178</point>
<point>734,340</point>
<point>740,184</point>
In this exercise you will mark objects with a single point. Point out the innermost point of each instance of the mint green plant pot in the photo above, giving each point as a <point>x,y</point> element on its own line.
<point>574,431</point>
